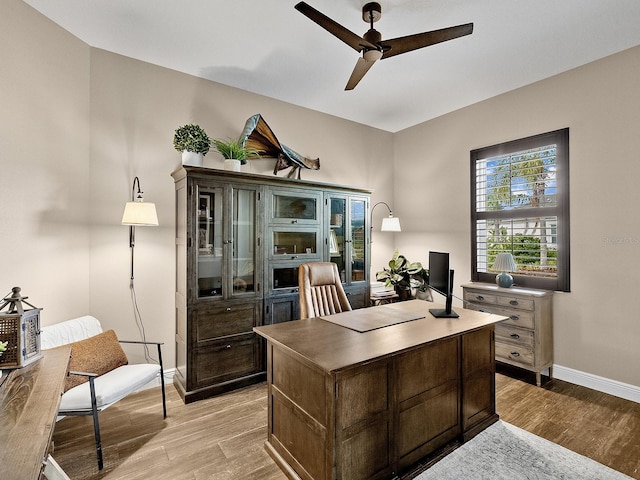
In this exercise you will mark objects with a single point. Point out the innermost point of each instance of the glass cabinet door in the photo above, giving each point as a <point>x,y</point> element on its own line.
<point>242,243</point>
<point>293,208</point>
<point>337,227</point>
<point>209,242</point>
<point>357,239</point>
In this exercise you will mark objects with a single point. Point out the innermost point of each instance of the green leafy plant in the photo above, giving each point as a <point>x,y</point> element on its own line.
<point>3,347</point>
<point>403,274</point>
<point>234,148</point>
<point>191,138</point>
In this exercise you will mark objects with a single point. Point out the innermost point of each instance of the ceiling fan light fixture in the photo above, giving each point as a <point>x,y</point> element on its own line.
<point>372,55</point>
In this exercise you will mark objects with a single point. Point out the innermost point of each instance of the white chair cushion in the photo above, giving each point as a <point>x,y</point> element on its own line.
<point>110,387</point>
<point>69,331</point>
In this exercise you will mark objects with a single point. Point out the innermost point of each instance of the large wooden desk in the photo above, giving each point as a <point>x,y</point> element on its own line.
<point>351,405</point>
<point>29,401</point>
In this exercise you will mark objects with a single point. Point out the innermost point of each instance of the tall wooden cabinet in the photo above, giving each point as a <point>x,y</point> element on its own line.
<point>239,241</point>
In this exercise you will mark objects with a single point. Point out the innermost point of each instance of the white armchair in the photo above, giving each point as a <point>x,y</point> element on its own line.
<point>111,381</point>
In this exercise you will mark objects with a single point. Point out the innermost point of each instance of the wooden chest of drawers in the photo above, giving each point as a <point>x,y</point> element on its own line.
<point>525,340</point>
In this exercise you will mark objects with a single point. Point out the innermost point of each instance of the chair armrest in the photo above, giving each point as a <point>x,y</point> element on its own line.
<point>86,374</point>
<point>141,342</point>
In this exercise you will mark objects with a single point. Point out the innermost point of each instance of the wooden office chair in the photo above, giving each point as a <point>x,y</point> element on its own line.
<point>321,291</point>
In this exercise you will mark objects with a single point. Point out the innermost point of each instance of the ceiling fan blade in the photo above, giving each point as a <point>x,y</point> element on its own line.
<point>360,69</point>
<point>396,46</point>
<point>347,36</point>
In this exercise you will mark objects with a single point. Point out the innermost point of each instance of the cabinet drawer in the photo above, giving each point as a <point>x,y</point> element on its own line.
<point>516,302</point>
<point>515,335</point>
<point>514,353</point>
<point>227,359</point>
<point>225,320</point>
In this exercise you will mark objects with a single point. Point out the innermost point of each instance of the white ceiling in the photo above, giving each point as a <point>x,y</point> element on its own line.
<point>267,47</point>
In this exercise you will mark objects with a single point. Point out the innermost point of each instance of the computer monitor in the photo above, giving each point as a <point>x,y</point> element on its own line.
<point>441,281</point>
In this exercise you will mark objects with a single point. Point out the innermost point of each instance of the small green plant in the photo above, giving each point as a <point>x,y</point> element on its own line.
<point>234,148</point>
<point>191,138</point>
<point>3,347</point>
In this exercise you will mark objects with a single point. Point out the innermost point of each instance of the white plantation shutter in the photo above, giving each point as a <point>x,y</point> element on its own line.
<point>520,204</point>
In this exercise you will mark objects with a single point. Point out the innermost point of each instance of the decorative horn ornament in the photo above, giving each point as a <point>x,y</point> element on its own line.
<point>258,135</point>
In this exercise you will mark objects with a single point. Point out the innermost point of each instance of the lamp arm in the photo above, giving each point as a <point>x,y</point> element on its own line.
<point>133,189</point>
<point>371,218</point>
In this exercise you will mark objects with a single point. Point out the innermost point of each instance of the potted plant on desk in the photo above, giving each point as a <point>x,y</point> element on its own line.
<point>402,275</point>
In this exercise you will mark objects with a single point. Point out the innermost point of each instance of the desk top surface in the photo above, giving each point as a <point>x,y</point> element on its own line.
<point>333,347</point>
<point>29,401</point>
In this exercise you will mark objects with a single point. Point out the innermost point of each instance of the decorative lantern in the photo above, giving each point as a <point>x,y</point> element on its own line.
<point>20,328</point>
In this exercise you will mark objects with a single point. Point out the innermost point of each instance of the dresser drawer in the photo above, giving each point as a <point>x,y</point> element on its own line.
<point>227,359</point>
<point>514,353</point>
<point>516,318</point>
<point>513,302</point>
<point>515,335</point>
<point>478,298</point>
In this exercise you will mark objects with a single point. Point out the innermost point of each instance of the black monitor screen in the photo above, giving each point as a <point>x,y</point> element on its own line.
<point>439,272</point>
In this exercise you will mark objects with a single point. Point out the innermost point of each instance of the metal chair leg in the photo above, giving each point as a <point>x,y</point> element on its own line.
<point>96,423</point>
<point>164,396</point>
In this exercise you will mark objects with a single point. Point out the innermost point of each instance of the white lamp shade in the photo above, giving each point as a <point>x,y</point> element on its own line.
<point>140,214</point>
<point>390,224</point>
<point>505,263</point>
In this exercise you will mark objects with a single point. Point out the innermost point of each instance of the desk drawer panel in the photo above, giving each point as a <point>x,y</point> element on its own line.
<point>225,320</point>
<point>516,302</point>
<point>511,334</point>
<point>514,353</point>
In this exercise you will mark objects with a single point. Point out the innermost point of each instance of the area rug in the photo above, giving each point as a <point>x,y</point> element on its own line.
<point>506,452</point>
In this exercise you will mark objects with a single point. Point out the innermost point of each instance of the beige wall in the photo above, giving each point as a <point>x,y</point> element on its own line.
<point>135,108</point>
<point>92,120</point>
<point>596,325</point>
<point>44,163</point>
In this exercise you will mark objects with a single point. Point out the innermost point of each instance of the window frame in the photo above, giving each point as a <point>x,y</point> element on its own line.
<point>561,139</point>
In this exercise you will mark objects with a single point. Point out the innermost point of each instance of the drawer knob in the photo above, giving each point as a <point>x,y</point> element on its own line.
<point>480,298</point>
<point>515,354</point>
<point>228,346</point>
<point>513,302</point>
<point>514,317</point>
<point>294,221</point>
<point>228,309</point>
<point>515,335</point>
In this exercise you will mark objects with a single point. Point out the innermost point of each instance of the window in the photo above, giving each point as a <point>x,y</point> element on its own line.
<point>520,204</point>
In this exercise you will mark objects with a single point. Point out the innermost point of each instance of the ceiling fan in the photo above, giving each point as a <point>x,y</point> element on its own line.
<point>371,45</point>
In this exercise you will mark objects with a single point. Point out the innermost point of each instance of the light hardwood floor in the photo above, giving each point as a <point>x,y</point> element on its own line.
<point>223,437</point>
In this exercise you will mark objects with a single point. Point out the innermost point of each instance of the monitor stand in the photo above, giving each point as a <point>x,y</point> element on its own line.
<point>442,313</point>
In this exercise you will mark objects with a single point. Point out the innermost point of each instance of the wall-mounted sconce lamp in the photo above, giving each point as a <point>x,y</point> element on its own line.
<point>389,224</point>
<point>137,213</point>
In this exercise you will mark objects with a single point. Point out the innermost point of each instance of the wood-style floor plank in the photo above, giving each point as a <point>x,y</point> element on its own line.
<point>223,438</point>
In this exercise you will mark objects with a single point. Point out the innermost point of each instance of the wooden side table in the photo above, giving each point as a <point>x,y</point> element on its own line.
<point>29,402</point>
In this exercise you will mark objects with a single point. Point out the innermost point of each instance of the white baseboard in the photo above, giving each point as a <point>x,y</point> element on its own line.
<point>601,384</point>
<point>168,379</point>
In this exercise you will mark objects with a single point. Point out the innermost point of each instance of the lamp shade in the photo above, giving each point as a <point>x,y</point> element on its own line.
<point>140,214</point>
<point>390,224</point>
<point>505,263</point>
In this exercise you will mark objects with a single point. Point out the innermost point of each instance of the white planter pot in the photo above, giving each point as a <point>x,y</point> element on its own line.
<point>192,158</point>
<point>232,164</point>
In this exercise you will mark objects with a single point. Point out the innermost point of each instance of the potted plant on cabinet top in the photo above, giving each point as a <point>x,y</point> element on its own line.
<point>235,153</point>
<point>193,142</point>
<point>402,275</point>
